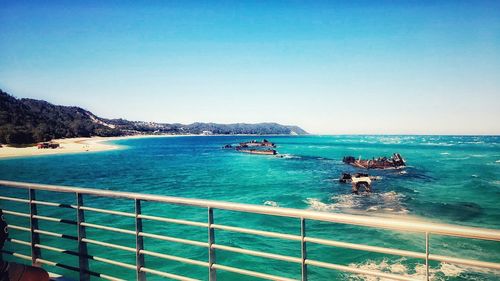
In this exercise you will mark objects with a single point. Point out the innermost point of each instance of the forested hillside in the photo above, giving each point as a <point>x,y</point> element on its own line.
<point>25,121</point>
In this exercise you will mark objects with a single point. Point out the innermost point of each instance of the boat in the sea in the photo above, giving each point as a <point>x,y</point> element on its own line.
<point>395,162</point>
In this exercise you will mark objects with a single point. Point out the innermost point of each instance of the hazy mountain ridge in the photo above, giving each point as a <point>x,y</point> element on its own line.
<point>28,120</point>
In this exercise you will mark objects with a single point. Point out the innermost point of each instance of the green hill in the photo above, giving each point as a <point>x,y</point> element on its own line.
<point>24,121</point>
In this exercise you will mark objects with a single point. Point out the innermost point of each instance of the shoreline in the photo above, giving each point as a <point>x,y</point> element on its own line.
<point>70,146</point>
<point>81,145</point>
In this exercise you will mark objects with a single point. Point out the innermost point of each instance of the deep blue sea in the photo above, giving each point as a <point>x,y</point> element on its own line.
<point>449,179</point>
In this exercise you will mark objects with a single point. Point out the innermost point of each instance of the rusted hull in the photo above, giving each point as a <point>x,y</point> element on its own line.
<point>380,166</point>
<point>263,143</point>
<point>260,152</point>
<point>381,163</point>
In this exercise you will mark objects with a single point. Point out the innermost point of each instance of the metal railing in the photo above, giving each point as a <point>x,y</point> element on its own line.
<point>424,228</point>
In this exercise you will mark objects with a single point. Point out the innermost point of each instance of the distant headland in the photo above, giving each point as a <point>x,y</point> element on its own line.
<point>27,121</point>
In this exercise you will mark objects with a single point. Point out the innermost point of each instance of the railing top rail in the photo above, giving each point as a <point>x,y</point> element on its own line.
<point>377,222</point>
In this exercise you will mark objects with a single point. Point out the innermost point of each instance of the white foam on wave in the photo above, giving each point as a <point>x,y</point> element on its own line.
<point>271,203</point>
<point>391,201</point>
<point>319,146</point>
<point>443,272</point>
<point>479,155</point>
<point>498,161</point>
<point>345,201</point>
<point>471,142</point>
<point>458,158</point>
<point>387,202</point>
<point>390,140</point>
<point>444,153</point>
<point>287,156</point>
<point>317,205</point>
<point>438,144</point>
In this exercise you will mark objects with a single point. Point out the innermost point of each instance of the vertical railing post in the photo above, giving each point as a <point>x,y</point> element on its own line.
<point>35,237</point>
<point>139,242</point>
<point>427,256</point>
<point>82,246</point>
<point>212,273</point>
<point>303,249</point>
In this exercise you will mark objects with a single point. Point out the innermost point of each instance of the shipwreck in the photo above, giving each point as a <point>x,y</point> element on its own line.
<point>358,181</point>
<point>395,162</point>
<point>263,147</point>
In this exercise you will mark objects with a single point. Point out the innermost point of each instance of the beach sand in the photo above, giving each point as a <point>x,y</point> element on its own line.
<point>70,145</point>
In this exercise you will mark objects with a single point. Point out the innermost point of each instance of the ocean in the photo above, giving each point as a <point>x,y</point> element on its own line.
<point>449,179</point>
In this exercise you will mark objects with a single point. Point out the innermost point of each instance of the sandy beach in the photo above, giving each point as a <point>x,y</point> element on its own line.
<point>70,145</point>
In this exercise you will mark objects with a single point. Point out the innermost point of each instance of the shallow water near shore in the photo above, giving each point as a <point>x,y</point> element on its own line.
<point>449,179</point>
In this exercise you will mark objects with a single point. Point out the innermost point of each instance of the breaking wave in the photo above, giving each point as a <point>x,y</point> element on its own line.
<point>387,202</point>
<point>288,156</point>
<point>390,140</point>
<point>458,158</point>
<point>444,271</point>
<point>271,203</point>
<point>438,144</point>
<point>479,155</point>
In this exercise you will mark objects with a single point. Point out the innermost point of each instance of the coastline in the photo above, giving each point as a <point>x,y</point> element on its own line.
<point>69,146</point>
<point>81,145</point>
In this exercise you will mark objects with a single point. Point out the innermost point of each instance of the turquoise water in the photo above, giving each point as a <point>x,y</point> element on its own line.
<point>449,179</point>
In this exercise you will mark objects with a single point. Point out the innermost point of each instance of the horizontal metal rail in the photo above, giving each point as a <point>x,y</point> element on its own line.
<point>109,212</point>
<point>257,253</point>
<point>20,242</point>
<point>21,228</point>
<point>45,218</point>
<point>174,239</point>
<point>55,234</point>
<point>52,204</point>
<point>176,221</point>
<point>17,214</point>
<point>44,232</point>
<point>115,263</point>
<point>13,199</point>
<point>167,275</point>
<point>426,228</point>
<point>251,273</point>
<point>257,232</point>
<point>109,245</point>
<point>175,258</point>
<point>109,228</point>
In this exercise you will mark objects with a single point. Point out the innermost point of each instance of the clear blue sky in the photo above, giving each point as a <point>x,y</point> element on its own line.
<point>329,67</point>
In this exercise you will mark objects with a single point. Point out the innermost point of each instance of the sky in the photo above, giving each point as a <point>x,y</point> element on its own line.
<point>330,67</point>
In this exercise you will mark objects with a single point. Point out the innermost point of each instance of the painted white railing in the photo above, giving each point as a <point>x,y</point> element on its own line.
<point>424,228</point>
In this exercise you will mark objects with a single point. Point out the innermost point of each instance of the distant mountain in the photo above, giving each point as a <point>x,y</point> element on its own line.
<point>24,121</point>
